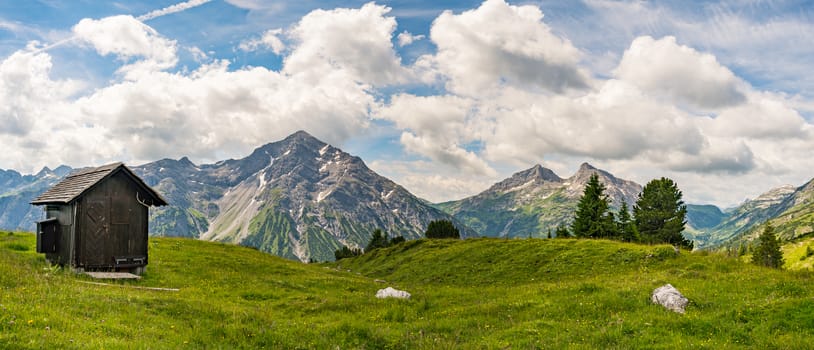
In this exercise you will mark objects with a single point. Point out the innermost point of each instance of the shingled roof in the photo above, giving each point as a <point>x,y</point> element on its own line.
<point>79,182</point>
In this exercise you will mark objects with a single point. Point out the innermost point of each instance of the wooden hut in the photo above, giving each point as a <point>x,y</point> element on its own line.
<point>96,220</point>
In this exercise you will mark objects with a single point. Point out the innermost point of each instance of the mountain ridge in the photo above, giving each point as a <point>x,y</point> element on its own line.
<point>299,198</point>
<point>534,201</point>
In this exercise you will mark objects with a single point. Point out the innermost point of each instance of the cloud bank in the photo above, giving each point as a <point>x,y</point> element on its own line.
<point>500,90</point>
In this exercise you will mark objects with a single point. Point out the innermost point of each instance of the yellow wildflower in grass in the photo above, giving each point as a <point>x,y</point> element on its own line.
<point>30,322</point>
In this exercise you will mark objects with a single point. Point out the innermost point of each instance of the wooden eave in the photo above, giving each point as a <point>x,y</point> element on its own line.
<point>78,183</point>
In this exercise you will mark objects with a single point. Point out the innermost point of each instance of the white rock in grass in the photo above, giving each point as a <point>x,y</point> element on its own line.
<point>391,292</point>
<point>669,297</point>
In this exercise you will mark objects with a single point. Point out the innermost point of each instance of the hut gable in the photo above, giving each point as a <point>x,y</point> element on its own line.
<point>78,183</point>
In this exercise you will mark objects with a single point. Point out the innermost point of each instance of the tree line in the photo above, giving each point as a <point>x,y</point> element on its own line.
<point>379,239</point>
<point>659,215</point>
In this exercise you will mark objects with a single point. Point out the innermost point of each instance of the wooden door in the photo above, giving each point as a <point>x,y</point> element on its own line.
<point>97,233</point>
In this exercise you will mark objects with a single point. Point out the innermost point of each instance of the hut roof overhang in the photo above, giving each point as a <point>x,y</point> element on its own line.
<point>79,182</point>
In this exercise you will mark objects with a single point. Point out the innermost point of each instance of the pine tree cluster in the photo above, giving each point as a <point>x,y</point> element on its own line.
<point>442,229</point>
<point>659,215</point>
<point>378,239</point>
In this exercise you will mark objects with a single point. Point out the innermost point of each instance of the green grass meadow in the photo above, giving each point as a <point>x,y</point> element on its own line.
<point>471,294</point>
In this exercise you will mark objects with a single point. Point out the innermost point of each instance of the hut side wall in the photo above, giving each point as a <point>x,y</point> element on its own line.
<point>64,214</point>
<point>112,223</point>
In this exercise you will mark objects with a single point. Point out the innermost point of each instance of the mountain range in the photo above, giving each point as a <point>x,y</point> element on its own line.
<point>533,201</point>
<point>298,198</point>
<point>301,198</point>
<point>789,209</point>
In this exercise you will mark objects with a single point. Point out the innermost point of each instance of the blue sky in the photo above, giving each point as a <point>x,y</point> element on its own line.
<point>445,98</point>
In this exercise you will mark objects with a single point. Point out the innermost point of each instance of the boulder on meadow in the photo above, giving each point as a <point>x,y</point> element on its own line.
<point>391,292</point>
<point>669,297</point>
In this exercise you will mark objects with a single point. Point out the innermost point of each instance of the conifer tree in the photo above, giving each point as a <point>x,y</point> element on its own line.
<point>346,252</point>
<point>442,229</point>
<point>767,252</point>
<point>562,232</point>
<point>660,214</point>
<point>593,218</point>
<point>626,226</point>
<point>377,240</point>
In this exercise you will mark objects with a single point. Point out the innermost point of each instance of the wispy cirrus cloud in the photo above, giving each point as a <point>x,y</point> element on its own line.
<point>171,9</point>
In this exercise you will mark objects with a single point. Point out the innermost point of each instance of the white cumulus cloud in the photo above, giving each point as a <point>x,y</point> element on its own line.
<point>215,110</point>
<point>680,72</point>
<point>131,41</point>
<point>437,127</point>
<point>27,92</point>
<point>763,116</point>
<point>354,40</point>
<point>499,44</point>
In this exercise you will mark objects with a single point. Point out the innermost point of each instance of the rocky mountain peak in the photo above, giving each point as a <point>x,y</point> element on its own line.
<point>535,175</point>
<point>303,139</point>
<point>546,174</point>
<point>584,173</point>
<point>62,170</point>
<point>617,189</point>
<point>186,162</point>
<point>585,167</point>
<point>45,171</point>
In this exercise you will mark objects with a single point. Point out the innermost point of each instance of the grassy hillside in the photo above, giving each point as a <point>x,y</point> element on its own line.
<point>478,293</point>
<point>595,294</point>
<point>230,297</point>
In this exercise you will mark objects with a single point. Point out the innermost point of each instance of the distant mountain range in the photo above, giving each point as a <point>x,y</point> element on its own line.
<point>298,198</point>
<point>301,198</point>
<point>790,209</point>
<point>534,201</point>
<point>17,190</point>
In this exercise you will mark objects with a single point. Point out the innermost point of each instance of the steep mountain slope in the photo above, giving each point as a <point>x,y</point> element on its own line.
<point>793,217</point>
<point>531,202</point>
<point>299,198</point>
<point>798,219</point>
<point>746,216</point>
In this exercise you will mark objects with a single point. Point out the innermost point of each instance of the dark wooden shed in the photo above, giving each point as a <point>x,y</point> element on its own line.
<point>96,219</point>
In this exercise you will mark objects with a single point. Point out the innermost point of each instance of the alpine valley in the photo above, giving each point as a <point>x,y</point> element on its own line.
<point>301,198</point>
